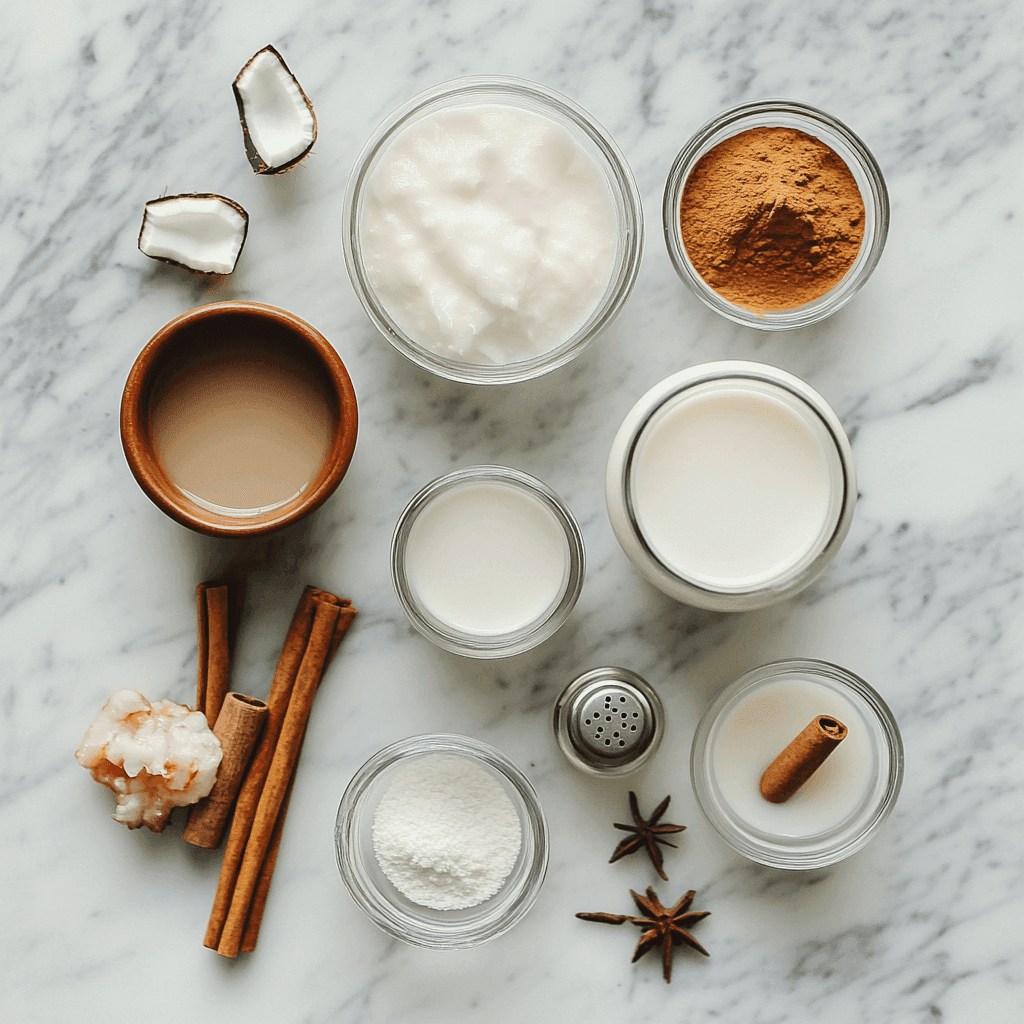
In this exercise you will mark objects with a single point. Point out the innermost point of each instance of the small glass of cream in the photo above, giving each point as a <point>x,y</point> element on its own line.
<point>487,561</point>
<point>843,803</point>
<point>731,485</point>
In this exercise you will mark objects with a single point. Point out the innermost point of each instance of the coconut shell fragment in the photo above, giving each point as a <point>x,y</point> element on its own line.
<point>197,230</point>
<point>278,123</point>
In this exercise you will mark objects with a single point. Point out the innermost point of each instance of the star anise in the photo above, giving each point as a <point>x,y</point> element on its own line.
<point>663,925</point>
<point>647,834</point>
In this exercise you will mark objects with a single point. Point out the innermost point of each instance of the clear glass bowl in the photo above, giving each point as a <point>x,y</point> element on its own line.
<point>837,842</point>
<point>489,645</point>
<point>776,113</point>
<point>394,912</point>
<point>589,134</point>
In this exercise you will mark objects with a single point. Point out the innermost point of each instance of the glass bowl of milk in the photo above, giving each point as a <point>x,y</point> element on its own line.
<point>492,229</point>
<point>731,485</point>
<point>841,806</point>
<point>487,561</point>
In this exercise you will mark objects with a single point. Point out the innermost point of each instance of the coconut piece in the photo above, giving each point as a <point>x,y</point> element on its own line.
<point>278,123</point>
<point>154,757</point>
<point>198,231</point>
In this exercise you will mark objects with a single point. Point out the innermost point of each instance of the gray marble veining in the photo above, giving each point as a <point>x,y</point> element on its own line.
<point>107,106</point>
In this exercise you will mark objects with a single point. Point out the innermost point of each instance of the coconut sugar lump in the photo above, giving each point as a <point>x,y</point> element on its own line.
<point>445,833</point>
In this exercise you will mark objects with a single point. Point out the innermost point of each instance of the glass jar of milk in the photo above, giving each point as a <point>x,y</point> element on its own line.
<point>730,485</point>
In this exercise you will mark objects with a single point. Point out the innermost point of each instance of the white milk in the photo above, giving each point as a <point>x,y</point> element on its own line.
<point>735,483</point>
<point>760,727</point>
<point>487,558</point>
<point>488,232</point>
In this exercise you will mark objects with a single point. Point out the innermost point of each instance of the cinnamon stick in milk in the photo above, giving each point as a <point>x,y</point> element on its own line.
<point>295,655</point>
<point>805,754</point>
<point>214,665</point>
<point>238,728</point>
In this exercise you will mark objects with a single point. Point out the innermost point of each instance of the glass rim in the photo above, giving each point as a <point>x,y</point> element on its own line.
<point>621,183</point>
<point>729,123</point>
<point>437,932</point>
<point>796,854</point>
<point>501,645</point>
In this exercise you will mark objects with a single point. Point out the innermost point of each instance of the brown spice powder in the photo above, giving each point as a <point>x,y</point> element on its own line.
<point>771,218</point>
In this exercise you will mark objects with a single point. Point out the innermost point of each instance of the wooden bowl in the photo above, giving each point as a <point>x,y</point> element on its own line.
<point>188,340</point>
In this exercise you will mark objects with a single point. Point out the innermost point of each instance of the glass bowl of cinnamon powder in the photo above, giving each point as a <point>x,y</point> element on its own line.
<point>775,214</point>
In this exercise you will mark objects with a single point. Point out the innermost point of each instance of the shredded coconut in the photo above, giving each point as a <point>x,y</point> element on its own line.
<point>445,833</point>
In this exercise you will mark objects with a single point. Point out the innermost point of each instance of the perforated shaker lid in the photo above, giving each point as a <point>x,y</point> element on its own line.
<point>609,721</point>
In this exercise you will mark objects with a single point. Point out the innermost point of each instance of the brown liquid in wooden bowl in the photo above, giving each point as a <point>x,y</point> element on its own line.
<point>238,419</point>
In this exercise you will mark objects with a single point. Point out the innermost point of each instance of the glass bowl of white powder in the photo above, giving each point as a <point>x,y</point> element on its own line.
<point>441,841</point>
<point>492,229</point>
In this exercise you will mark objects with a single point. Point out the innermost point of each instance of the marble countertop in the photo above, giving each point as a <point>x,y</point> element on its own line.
<point>105,106</point>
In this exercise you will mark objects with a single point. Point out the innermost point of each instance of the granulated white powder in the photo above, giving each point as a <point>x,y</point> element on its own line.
<point>445,833</point>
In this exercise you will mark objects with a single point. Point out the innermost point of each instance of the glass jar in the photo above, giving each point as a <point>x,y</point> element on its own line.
<point>721,515</point>
<point>587,133</point>
<point>487,561</point>
<point>781,113</point>
<point>840,807</point>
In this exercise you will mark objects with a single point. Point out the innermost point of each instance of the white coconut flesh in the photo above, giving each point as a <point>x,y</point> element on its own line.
<point>275,112</point>
<point>200,232</point>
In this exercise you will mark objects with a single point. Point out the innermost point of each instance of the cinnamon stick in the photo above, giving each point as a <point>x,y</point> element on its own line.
<point>214,665</point>
<point>346,616</point>
<point>238,728</point>
<point>805,754</point>
<point>259,899</point>
<point>247,803</point>
<point>286,755</point>
<point>249,795</point>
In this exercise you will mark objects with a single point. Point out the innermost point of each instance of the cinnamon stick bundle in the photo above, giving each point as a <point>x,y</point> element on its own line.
<point>804,755</point>
<point>317,628</point>
<point>214,664</point>
<point>238,727</point>
<point>259,899</point>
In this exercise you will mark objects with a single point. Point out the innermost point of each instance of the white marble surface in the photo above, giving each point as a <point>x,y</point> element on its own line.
<point>106,105</point>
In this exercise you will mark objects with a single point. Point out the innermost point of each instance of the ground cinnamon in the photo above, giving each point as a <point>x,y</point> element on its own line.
<point>803,756</point>
<point>771,218</point>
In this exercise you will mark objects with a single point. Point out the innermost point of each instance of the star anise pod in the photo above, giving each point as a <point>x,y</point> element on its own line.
<point>646,834</point>
<point>664,925</point>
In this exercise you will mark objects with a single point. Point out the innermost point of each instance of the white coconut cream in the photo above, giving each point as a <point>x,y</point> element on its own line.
<point>488,232</point>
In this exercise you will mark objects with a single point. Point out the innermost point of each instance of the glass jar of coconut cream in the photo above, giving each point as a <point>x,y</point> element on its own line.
<point>731,485</point>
